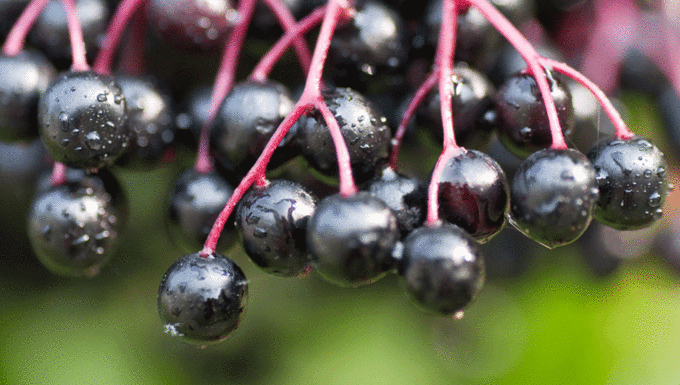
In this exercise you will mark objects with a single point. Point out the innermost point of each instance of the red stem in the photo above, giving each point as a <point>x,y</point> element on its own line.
<point>420,94</point>
<point>287,22</point>
<point>224,80</point>
<point>123,14</point>
<point>75,34</point>
<point>264,67</point>
<point>132,58</point>
<point>58,174</point>
<point>17,35</point>
<point>622,131</point>
<point>529,54</point>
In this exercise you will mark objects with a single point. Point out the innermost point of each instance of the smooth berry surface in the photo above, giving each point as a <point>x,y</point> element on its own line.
<point>351,239</point>
<point>195,201</point>
<point>202,300</point>
<point>522,120</point>
<point>22,79</point>
<point>441,269</point>
<point>20,165</point>
<point>474,194</point>
<point>272,222</point>
<point>75,228</point>
<point>553,196</point>
<point>82,118</point>
<point>631,176</point>
<point>363,127</point>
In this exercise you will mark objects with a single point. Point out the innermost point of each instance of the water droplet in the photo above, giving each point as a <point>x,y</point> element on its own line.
<point>101,98</point>
<point>654,199</point>
<point>47,232</point>
<point>567,175</point>
<point>82,239</point>
<point>525,134</point>
<point>459,315</point>
<point>65,142</point>
<point>648,173</point>
<point>259,232</point>
<point>64,121</point>
<point>103,235</point>
<point>93,140</point>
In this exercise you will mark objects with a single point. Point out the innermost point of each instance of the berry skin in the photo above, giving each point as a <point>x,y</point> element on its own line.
<point>553,196</point>
<point>272,222</point>
<point>522,120</point>
<point>406,196</point>
<point>195,201</point>
<point>631,175</point>
<point>24,77</point>
<point>202,300</point>
<point>351,239</point>
<point>74,228</point>
<point>20,165</point>
<point>363,127</point>
<point>441,268</point>
<point>247,119</point>
<point>474,194</point>
<point>82,118</point>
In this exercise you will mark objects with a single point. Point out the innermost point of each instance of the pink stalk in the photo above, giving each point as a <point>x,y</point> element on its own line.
<point>224,80</point>
<point>287,22</point>
<point>311,97</point>
<point>58,174</point>
<point>123,14</point>
<point>75,34</point>
<point>622,131</point>
<point>264,67</point>
<point>531,57</point>
<point>17,35</point>
<point>444,70</point>
<point>132,58</point>
<point>420,94</point>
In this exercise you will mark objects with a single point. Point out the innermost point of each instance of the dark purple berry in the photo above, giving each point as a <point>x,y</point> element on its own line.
<point>74,228</point>
<point>20,165</point>
<point>406,196</point>
<point>474,194</point>
<point>272,222</point>
<point>351,239</point>
<point>553,196</point>
<point>82,118</point>
<point>441,268</point>
<point>202,300</point>
<point>24,77</point>
<point>522,120</point>
<point>195,201</point>
<point>194,25</point>
<point>631,176</point>
<point>247,119</point>
<point>150,122</point>
<point>363,127</point>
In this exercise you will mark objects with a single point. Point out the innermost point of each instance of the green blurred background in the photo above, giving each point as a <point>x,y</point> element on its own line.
<point>556,323</point>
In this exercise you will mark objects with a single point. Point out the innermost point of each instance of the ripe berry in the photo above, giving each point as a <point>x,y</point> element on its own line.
<point>202,300</point>
<point>474,194</point>
<point>631,175</point>
<point>553,196</point>
<point>82,118</point>
<point>406,196</point>
<point>246,121</point>
<point>441,268</point>
<point>150,122</point>
<point>363,127</point>
<point>20,165</point>
<point>351,239</point>
<point>272,222</point>
<point>522,119</point>
<point>74,228</point>
<point>24,77</point>
<point>195,201</point>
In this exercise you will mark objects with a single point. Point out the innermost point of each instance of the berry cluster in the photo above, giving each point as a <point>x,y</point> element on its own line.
<point>368,59</point>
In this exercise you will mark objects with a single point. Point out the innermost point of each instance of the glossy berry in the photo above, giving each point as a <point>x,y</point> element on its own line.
<point>474,194</point>
<point>522,119</point>
<point>202,300</point>
<point>351,239</point>
<point>74,228</point>
<point>272,222</point>
<point>150,122</point>
<point>363,127</point>
<point>631,176</point>
<point>82,118</point>
<point>195,201</point>
<point>441,268</point>
<point>193,25</point>
<point>406,196</point>
<point>194,113</point>
<point>247,119</point>
<point>553,196</point>
<point>24,77</point>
